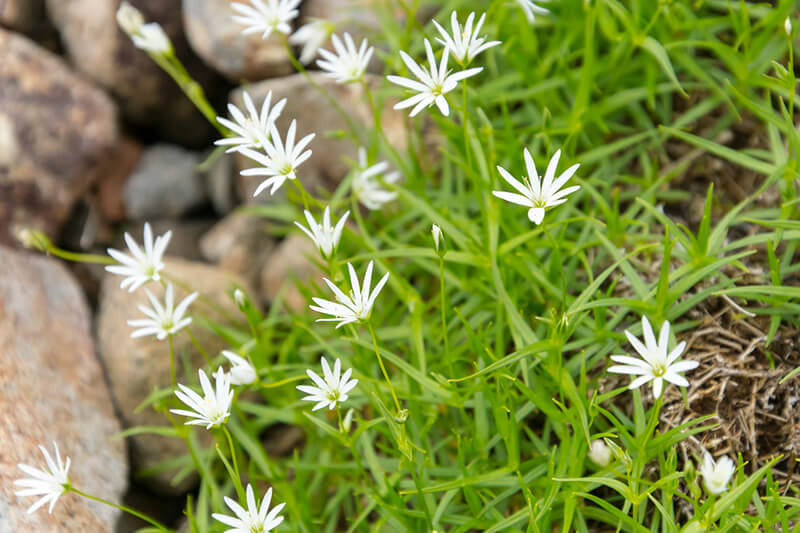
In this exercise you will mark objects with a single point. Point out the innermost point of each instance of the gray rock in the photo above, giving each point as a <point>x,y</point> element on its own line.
<point>54,389</point>
<point>220,185</point>
<point>136,367</point>
<point>218,40</point>
<point>146,95</point>
<point>239,243</point>
<point>328,164</point>
<point>165,183</point>
<point>56,130</point>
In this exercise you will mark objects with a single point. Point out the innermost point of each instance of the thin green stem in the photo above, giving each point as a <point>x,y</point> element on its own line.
<point>155,523</point>
<point>233,472</point>
<point>443,297</point>
<point>172,363</point>
<point>383,368</point>
<point>199,348</point>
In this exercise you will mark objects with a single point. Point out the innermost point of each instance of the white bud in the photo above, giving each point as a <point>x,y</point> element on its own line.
<point>348,420</point>
<point>129,18</point>
<point>787,26</point>
<point>242,372</point>
<point>151,38</point>
<point>600,453</point>
<point>238,297</point>
<point>437,234</point>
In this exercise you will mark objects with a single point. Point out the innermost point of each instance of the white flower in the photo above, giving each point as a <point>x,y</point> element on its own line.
<point>247,128</point>
<point>214,407</point>
<point>129,18</point>
<point>464,43</point>
<point>162,320</point>
<point>366,186</point>
<point>600,453</point>
<point>537,195</point>
<point>352,308</point>
<point>529,7</point>
<point>656,364</point>
<point>254,519</point>
<point>348,64</point>
<point>433,83</point>
<point>716,475</point>
<point>332,390</point>
<point>281,160</point>
<point>325,236</point>
<point>50,484</point>
<point>143,265</point>
<point>266,16</point>
<point>311,37</point>
<point>151,38</point>
<point>437,234</point>
<point>242,372</point>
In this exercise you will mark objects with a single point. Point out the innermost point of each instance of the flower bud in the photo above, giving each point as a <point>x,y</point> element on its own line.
<point>240,299</point>
<point>787,26</point>
<point>600,453</point>
<point>348,420</point>
<point>438,240</point>
<point>151,38</point>
<point>129,18</point>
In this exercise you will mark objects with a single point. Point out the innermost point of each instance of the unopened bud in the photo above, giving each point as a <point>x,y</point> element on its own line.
<point>787,26</point>
<point>129,18</point>
<point>239,298</point>
<point>348,420</point>
<point>600,453</point>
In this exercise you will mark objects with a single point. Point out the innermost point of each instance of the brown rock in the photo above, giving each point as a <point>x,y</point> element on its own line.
<point>136,367</point>
<point>239,243</point>
<point>53,389</point>
<point>291,263</point>
<point>115,174</point>
<point>55,131</point>
<point>218,40</point>
<point>147,96</point>
<point>328,164</point>
<point>21,15</point>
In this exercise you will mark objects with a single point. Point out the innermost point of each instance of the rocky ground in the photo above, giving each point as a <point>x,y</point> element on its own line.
<point>94,140</point>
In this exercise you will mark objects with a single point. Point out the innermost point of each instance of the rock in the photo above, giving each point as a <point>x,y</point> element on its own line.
<point>165,183</point>
<point>186,235</point>
<point>21,15</point>
<point>328,164</point>
<point>55,132</point>
<point>218,40</point>
<point>291,263</point>
<point>116,174</point>
<point>135,367</point>
<point>147,96</point>
<point>220,185</point>
<point>54,389</point>
<point>239,243</point>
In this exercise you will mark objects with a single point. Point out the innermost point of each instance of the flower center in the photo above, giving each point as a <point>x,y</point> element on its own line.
<point>333,396</point>
<point>659,370</point>
<point>436,90</point>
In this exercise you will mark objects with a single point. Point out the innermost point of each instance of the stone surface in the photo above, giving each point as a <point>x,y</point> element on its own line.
<point>239,243</point>
<point>115,174</point>
<point>220,185</point>
<point>147,96</point>
<point>55,132</point>
<point>218,40</point>
<point>136,367</point>
<point>328,164</point>
<point>291,263</point>
<point>165,183</point>
<point>53,389</point>
<point>21,15</point>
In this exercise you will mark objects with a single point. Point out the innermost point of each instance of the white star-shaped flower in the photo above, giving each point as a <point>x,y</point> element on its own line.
<point>537,195</point>
<point>433,83</point>
<point>311,37</point>
<point>50,484</point>
<point>355,307</point>
<point>248,127</point>
<point>214,407</point>
<point>281,160</point>
<point>254,519</point>
<point>242,372</point>
<point>530,9</point>
<point>324,235</point>
<point>266,16</point>
<point>162,320</point>
<point>656,364</point>
<point>464,43</point>
<point>142,265</point>
<point>716,474</point>
<point>332,390</point>
<point>349,63</point>
<point>366,186</point>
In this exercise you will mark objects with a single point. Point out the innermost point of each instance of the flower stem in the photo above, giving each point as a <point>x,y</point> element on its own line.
<point>128,510</point>
<point>383,368</point>
<point>234,473</point>
<point>199,348</point>
<point>171,362</point>
<point>444,309</point>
